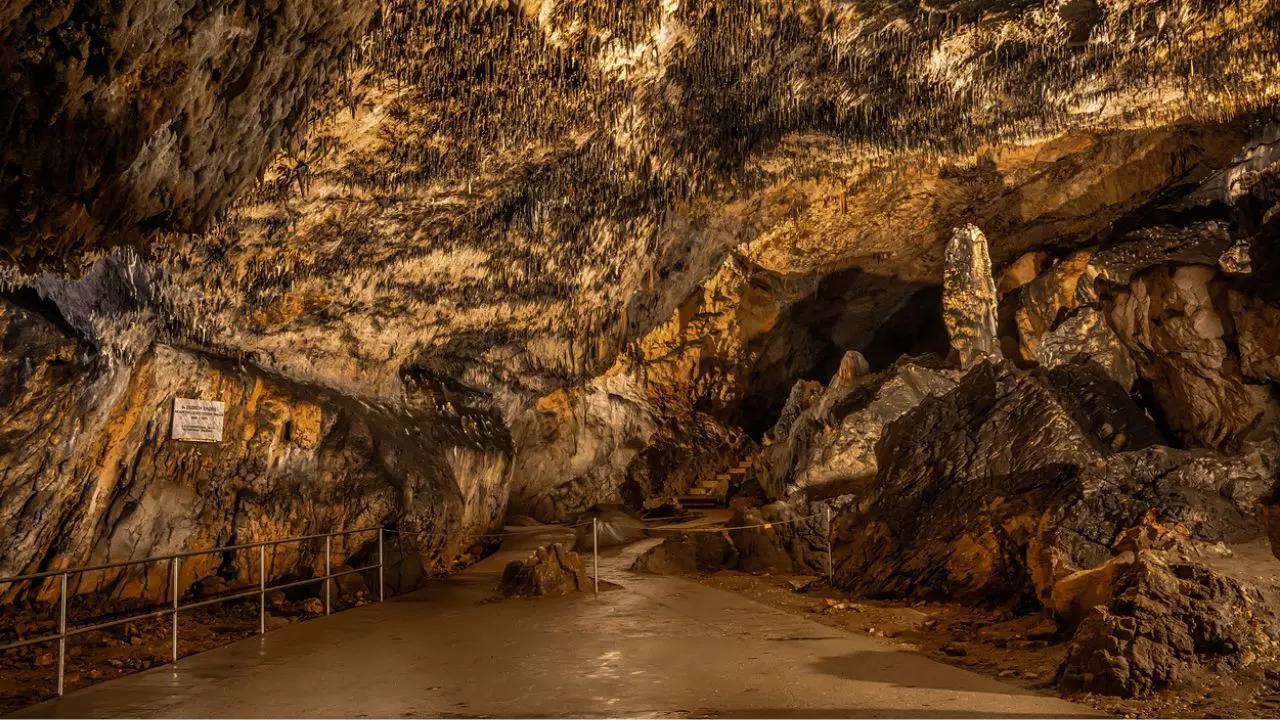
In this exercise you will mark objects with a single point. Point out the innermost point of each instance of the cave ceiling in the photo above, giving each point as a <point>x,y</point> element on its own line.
<point>505,196</point>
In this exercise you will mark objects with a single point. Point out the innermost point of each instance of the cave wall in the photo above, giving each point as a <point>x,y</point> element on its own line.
<point>592,227</point>
<point>90,474</point>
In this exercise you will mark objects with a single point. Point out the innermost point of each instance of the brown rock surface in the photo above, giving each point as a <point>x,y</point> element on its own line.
<point>551,570</point>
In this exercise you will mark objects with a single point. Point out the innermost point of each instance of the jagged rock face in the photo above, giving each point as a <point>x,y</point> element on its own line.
<point>690,552</point>
<point>1166,621</point>
<point>573,448</point>
<point>1173,319</point>
<point>551,570</point>
<point>1006,495</point>
<point>826,442</point>
<point>90,475</point>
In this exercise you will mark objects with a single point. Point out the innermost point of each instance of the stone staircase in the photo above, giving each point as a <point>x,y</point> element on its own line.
<point>713,492</point>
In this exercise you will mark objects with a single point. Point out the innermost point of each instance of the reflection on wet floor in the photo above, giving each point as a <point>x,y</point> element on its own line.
<point>659,647</point>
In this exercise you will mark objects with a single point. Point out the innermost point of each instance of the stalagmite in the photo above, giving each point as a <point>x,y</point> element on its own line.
<point>969,298</point>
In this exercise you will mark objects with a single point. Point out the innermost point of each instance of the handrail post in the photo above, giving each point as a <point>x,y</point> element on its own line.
<point>327,572</point>
<point>62,633</point>
<point>173,575</point>
<point>595,549</point>
<point>381,587</point>
<point>831,570</point>
<point>262,589</point>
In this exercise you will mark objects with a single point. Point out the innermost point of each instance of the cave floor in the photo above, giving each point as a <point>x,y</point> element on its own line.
<point>651,646</point>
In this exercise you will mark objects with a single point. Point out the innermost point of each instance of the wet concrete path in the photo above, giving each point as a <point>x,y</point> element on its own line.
<point>656,647</point>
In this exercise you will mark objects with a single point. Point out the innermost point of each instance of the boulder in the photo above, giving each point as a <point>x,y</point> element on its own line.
<point>1169,317</point>
<point>614,525</point>
<point>825,443</point>
<point>551,570</point>
<point>1007,494</point>
<point>1164,621</point>
<point>689,552</point>
<point>969,297</point>
<point>1085,337</point>
<point>781,539</point>
<point>1044,299</point>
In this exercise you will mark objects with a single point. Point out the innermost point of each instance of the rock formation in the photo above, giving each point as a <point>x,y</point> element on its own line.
<point>445,260</point>
<point>1164,623</point>
<point>551,570</point>
<point>969,298</point>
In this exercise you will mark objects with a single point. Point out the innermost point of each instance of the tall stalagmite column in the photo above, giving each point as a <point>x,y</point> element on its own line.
<point>969,298</point>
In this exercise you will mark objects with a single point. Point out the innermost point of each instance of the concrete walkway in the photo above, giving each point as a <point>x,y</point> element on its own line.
<point>657,647</point>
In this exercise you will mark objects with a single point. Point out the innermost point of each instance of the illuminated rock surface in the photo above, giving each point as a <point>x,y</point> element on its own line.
<point>445,260</point>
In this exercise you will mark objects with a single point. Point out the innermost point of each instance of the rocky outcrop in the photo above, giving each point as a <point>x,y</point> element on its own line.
<point>1175,322</point>
<point>824,444</point>
<point>969,298</point>
<point>776,538</point>
<point>780,538</point>
<point>574,446</point>
<point>1007,494</point>
<point>689,552</point>
<point>1166,622</point>
<point>90,474</point>
<point>551,570</point>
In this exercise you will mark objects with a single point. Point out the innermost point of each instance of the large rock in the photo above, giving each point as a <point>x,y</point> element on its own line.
<point>688,552</point>
<point>1173,320</point>
<point>1043,300</point>
<point>1163,621</point>
<point>1007,494</point>
<point>780,538</point>
<point>1085,337</point>
<point>969,297</point>
<point>551,570</point>
<point>825,442</point>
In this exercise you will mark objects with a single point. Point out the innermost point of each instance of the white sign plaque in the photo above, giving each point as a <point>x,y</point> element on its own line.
<point>197,420</point>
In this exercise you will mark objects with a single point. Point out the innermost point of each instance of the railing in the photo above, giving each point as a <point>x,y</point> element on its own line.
<point>329,576</point>
<point>177,607</point>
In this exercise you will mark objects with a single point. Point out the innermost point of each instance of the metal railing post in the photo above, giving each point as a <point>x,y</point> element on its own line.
<point>831,571</point>
<point>173,575</point>
<point>595,549</point>
<point>327,572</point>
<point>262,589</point>
<point>381,591</point>
<point>62,633</point>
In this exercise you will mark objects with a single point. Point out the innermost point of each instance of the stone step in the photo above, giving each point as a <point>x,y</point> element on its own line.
<point>699,491</point>
<point>724,477</point>
<point>692,501</point>
<point>738,471</point>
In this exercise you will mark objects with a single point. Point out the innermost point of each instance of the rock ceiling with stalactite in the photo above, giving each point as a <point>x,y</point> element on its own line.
<point>505,193</point>
<point>451,261</point>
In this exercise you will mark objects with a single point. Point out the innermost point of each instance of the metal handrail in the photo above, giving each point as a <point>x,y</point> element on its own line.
<point>177,607</point>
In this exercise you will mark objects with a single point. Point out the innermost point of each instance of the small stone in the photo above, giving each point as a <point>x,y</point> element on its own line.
<point>955,649</point>
<point>44,659</point>
<point>313,606</point>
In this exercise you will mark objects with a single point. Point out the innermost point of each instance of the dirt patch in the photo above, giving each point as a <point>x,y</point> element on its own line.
<point>1024,651</point>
